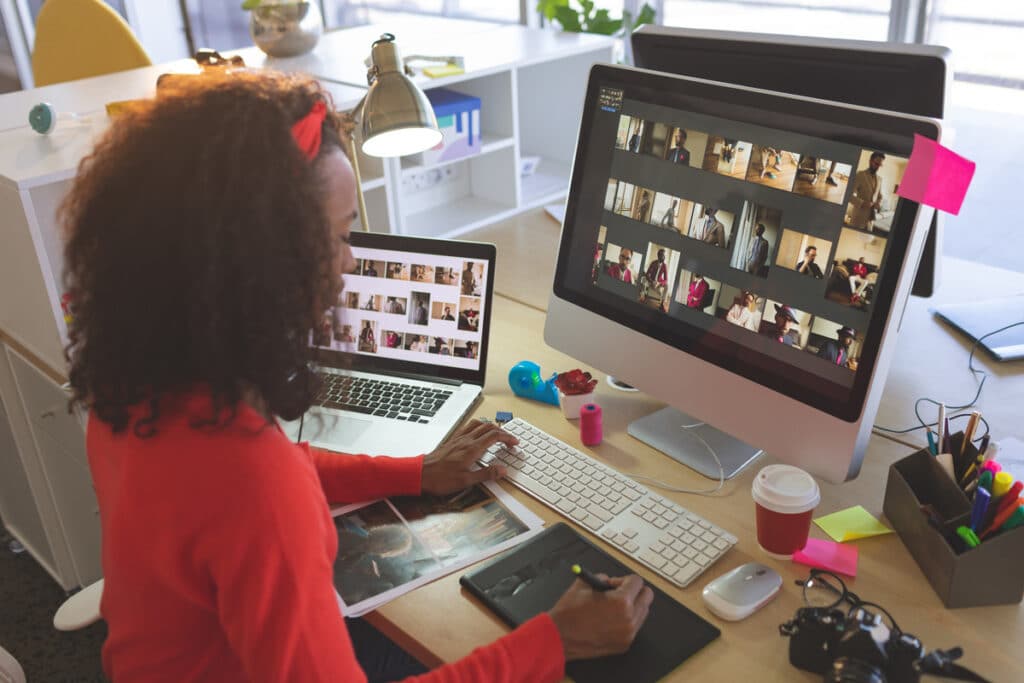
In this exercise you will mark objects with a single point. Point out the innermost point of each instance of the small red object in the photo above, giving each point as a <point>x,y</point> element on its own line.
<point>307,131</point>
<point>575,382</point>
<point>591,427</point>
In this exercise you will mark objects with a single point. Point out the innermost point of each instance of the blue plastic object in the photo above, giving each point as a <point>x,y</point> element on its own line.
<point>525,380</point>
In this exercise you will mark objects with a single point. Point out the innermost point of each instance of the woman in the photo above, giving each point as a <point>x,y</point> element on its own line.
<point>206,233</point>
<point>744,312</point>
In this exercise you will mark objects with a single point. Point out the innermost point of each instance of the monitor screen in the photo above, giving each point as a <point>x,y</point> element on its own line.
<point>402,307</point>
<point>756,239</point>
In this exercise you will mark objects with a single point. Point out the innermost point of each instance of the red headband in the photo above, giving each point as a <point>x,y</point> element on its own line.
<point>307,130</point>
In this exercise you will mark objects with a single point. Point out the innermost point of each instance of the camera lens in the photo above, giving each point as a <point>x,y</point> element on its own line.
<point>847,670</point>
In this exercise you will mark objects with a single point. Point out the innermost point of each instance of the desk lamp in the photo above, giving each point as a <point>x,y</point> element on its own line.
<point>396,116</point>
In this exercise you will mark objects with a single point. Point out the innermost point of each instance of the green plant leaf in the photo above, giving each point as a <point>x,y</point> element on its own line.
<point>603,24</point>
<point>549,8</point>
<point>647,16</point>
<point>569,19</point>
<point>251,4</point>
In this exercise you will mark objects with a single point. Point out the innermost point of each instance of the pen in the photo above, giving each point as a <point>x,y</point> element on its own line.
<point>1011,497</point>
<point>972,425</point>
<point>940,434</point>
<point>984,445</point>
<point>931,443</point>
<point>947,442</point>
<point>981,500</point>
<point>591,580</point>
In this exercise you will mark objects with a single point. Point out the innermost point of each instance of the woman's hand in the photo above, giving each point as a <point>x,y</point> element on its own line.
<point>450,467</point>
<point>594,624</point>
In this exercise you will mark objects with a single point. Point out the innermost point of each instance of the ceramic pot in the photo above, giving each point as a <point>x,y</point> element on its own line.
<point>571,404</point>
<point>287,29</point>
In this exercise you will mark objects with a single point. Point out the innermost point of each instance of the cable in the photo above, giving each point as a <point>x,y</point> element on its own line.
<point>970,404</point>
<point>698,492</point>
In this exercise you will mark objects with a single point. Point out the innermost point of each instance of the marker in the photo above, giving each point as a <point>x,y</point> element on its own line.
<point>968,536</point>
<point>981,500</point>
<point>591,580</point>
<point>985,481</point>
<point>1016,519</point>
<point>1001,484</point>
<point>1011,497</point>
<point>1003,517</point>
<point>931,443</point>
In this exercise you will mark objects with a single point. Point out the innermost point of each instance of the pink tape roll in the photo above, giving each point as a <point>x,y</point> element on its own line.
<point>591,429</point>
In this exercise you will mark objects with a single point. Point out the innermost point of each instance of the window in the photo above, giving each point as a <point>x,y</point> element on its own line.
<point>860,19</point>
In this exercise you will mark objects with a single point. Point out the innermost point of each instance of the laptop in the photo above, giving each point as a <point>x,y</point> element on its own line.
<point>403,353</point>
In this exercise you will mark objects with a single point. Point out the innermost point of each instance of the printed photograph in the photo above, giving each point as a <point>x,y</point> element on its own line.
<point>855,266</point>
<point>396,305</point>
<point>806,254</point>
<point>419,305</point>
<point>712,225</point>
<point>446,276</point>
<point>459,526</point>
<point>785,324</point>
<point>441,346</point>
<point>368,336</point>
<point>376,552</point>
<point>678,145</point>
<point>698,292</point>
<point>472,282</point>
<point>834,343</point>
<point>398,271</point>
<point>465,349</point>
<point>756,236</point>
<point>672,213</point>
<point>416,342</point>
<point>621,263</point>
<point>422,273</point>
<point>391,339</point>
<point>873,199</point>
<point>658,278</point>
<point>443,311</point>
<point>371,268</point>
<point>727,157</point>
<point>630,133</point>
<point>469,313</point>
<point>822,179</point>
<point>740,307</point>
<point>772,167</point>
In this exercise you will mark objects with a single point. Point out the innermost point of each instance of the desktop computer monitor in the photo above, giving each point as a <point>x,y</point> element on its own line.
<point>706,259</point>
<point>911,79</point>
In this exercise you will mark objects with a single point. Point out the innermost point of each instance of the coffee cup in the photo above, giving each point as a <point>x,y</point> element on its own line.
<point>785,498</point>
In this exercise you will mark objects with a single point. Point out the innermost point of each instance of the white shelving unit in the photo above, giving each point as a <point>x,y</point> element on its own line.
<point>531,85</point>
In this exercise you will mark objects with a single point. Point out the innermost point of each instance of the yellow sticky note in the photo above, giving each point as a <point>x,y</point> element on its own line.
<point>851,524</point>
<point>442,71</point>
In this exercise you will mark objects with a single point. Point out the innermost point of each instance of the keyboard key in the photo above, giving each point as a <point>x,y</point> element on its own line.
<point>653,559</point>
<point>686,573</point>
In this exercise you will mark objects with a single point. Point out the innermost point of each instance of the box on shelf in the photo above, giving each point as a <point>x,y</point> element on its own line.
<point>458,117</point>
<point>989,574</point>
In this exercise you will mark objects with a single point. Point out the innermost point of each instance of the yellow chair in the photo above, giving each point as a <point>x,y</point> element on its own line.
<point>82,38</point>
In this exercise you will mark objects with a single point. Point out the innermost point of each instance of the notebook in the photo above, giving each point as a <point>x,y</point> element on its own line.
<point>979,319</point>
<point>529,580</point>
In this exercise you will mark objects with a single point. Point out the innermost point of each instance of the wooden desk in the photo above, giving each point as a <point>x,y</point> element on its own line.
<point>440,622</point>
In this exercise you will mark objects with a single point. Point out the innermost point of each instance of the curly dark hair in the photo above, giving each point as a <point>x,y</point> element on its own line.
<point>198,251</point>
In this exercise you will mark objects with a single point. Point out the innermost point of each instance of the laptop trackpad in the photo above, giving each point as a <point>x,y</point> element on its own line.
<point>338,428</point>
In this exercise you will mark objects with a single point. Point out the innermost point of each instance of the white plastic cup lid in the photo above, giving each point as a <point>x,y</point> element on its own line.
<point>785,489</point>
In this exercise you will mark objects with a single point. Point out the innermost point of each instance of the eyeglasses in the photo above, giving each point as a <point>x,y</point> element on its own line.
<point>823,589</point>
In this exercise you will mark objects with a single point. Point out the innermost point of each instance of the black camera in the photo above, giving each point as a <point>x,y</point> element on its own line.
<point>859,647</point>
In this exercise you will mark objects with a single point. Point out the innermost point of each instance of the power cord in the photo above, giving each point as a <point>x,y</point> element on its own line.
<point>981,385</point>
<point>674,489</point>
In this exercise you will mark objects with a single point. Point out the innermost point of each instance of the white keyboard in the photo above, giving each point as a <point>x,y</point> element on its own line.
<point>669,539</point>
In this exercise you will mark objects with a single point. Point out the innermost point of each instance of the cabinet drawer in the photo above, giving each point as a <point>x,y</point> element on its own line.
<point>46,405</point>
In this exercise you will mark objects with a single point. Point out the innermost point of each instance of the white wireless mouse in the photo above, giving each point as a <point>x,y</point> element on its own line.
<point>739,593</point>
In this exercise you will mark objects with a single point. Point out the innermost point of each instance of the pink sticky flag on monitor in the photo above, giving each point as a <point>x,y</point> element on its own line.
<point>936,176</point>
<point>840,558</point>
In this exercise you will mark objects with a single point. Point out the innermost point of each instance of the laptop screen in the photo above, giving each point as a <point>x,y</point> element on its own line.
<point>412,304</point>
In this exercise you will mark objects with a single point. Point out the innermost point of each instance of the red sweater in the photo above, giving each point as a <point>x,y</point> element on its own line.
<point>218,549</point>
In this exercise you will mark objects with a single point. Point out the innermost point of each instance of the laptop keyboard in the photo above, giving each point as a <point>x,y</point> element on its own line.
<point>383,398</point>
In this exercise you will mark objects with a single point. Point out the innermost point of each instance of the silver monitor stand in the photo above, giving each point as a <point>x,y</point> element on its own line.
<point>666,430</point>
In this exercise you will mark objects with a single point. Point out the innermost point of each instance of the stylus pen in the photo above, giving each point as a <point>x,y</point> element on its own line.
<point>940,435</point>
<point>591,580</point>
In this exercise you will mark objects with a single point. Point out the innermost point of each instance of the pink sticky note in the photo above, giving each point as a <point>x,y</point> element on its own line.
<point>936,176</point>
<point>840,558</point>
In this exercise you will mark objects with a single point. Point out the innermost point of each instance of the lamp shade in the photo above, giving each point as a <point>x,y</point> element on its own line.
<point>397,117</point>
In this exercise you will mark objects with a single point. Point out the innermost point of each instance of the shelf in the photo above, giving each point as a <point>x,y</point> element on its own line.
<point>457,217</point>
<point>488,143</point>
<point>373,183</point>
<point>549,182</point>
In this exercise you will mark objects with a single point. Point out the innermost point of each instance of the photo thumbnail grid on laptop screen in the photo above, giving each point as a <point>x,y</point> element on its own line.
<point>768,238</point>
<point>423,308</point>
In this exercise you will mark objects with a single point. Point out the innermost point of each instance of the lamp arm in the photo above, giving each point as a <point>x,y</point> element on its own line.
<point>348,126</point>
